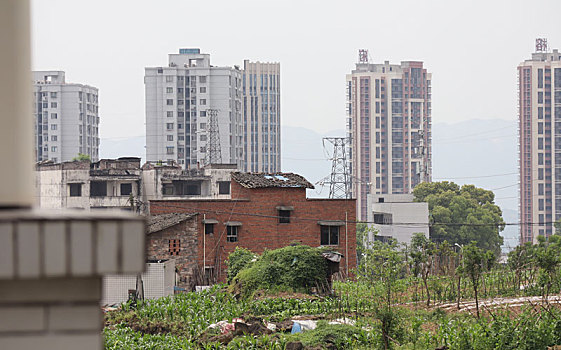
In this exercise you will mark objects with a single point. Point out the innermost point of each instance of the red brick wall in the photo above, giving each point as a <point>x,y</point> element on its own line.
<point>157,247</point>
<point>256,210</point>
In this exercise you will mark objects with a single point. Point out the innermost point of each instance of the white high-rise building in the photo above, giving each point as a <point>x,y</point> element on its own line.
<point>539,109</point>
<point>180,100</point>
<point>261,117</point>
<point>66,118</point>
<point>389,128</point>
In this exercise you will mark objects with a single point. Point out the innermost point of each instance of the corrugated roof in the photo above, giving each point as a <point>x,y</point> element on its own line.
<point>156,223</point>
<point>263,180</point>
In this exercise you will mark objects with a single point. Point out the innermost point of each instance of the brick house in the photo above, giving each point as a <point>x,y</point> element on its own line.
<point>174,236</point>
<point>266,211</point>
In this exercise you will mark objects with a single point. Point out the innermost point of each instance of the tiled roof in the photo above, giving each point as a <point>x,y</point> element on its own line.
<point>263,180</point>
<point>156,223</point>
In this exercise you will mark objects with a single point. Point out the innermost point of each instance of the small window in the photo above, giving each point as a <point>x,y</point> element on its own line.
<point>284,216</point>
<point>202,90</point>
<point>202,79</point>
<point>202,113</point>
<point>169,150</point>
<point>169,126</point>
<point>231,233</point>
<point>98,189</point>
<point>54,105</point>
<point>202,101</point>
<point>223,187</point>
<point>169,102</point>
<point>169,114</point>
<point>54,116</point>
<point>329,235</point>
<point>53,126</point>
<point>170,137</point>
<point>75,190</point>
<point>169,78</point>
<point>169,90</point>
<point>209,229</point>
<point>126,189</point>
<point>53,94</point>
<point>381,200</point>
<point>174,246</point>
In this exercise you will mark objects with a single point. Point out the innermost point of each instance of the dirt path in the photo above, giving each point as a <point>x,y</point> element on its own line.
<point>494,303</point>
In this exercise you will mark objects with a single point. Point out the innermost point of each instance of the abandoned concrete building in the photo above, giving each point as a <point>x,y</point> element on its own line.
<point>122,183</point>
<point>108,183</point>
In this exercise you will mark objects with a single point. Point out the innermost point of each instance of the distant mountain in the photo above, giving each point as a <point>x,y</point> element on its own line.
<point>304,153</point>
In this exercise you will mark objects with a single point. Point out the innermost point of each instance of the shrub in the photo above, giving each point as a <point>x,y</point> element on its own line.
<point>292,268</point>
<point>238,260</point>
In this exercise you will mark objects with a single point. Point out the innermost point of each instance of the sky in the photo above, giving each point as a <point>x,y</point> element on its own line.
<point>471,48</point>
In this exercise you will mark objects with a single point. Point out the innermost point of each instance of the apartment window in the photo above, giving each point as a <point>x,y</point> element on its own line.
<point>169,114</point>
<point>541,204</point>
<point>53,126</point>
<point>75,190</point>
<point>202,113</point>
<point>202,90</point>
<point>329,235</point>
<point>54,105</point>
<point>202,138</point>
<point>53,94</point>
<point>54,116</point>
<point>98,188</point>
<point>53,149</point>
<point>202,79</point>
<point>126,189</point>
<point>169,126</point>
<point>223,187</point>
<point>169,150</point>
<point>540,97</point>
<point>174,246</point>
<point>540,128</point>
<point>383,218</point>
<point>540,173</point>
<point>231,233</point>
<point>209,229</point>
<point>540,142</point>
<point>202,101</point>
<point>540,189</point>
<point>170,137</point>
<point>169,101</point>
<point>54,138</point>
<point>202,126</point>
<point>540,158</point>
<point>169,78</point>
<point>169,90</point>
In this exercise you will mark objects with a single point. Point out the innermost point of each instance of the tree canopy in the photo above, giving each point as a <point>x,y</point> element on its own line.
<point>82,157</point>
<point>462,214</point>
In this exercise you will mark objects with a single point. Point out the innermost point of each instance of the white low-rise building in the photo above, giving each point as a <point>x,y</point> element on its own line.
<point>398,216</point>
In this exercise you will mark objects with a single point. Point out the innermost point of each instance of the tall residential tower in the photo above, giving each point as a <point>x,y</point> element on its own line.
<point>539,108</point>
<point>261,117</point>
<point>193,107</point>
<point>66,118</point>
<point>388,128</point>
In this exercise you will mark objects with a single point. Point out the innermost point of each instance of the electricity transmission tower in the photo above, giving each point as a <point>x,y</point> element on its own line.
<point>340,179</point>
<point>213,151</point>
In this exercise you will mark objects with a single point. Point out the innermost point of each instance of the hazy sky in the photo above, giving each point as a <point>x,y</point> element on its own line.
<point>472,49</point>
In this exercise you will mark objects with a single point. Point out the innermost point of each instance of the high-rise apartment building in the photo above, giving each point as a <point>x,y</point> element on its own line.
<point>261,117</point>
<point>388,128</point>
<point>539,102</point>
<point>192,109</point>
<point>66,118</point>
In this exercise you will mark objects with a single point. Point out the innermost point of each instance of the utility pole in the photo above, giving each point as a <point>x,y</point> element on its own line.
<point>213,151</point>
<point>340,179</point>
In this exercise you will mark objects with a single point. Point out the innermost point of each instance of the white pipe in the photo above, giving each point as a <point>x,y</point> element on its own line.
<point>16,141</point>
<point>204,244</point>
<point>346,245</point>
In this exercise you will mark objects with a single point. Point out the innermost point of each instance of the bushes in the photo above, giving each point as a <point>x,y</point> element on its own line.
<point>238,260</point>
<point>294,268</point>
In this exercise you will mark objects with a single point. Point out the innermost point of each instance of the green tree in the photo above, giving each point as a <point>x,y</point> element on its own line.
<point>384,263</point>
<point>519,260</point>
<point>82,157</point>
<point>422,254</point>
<point>462,214</point>
<point>548,260</point>
<point>472,267</point>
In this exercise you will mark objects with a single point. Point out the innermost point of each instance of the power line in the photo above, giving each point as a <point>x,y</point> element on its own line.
<point>231,213</point>
<point>474,177</point>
